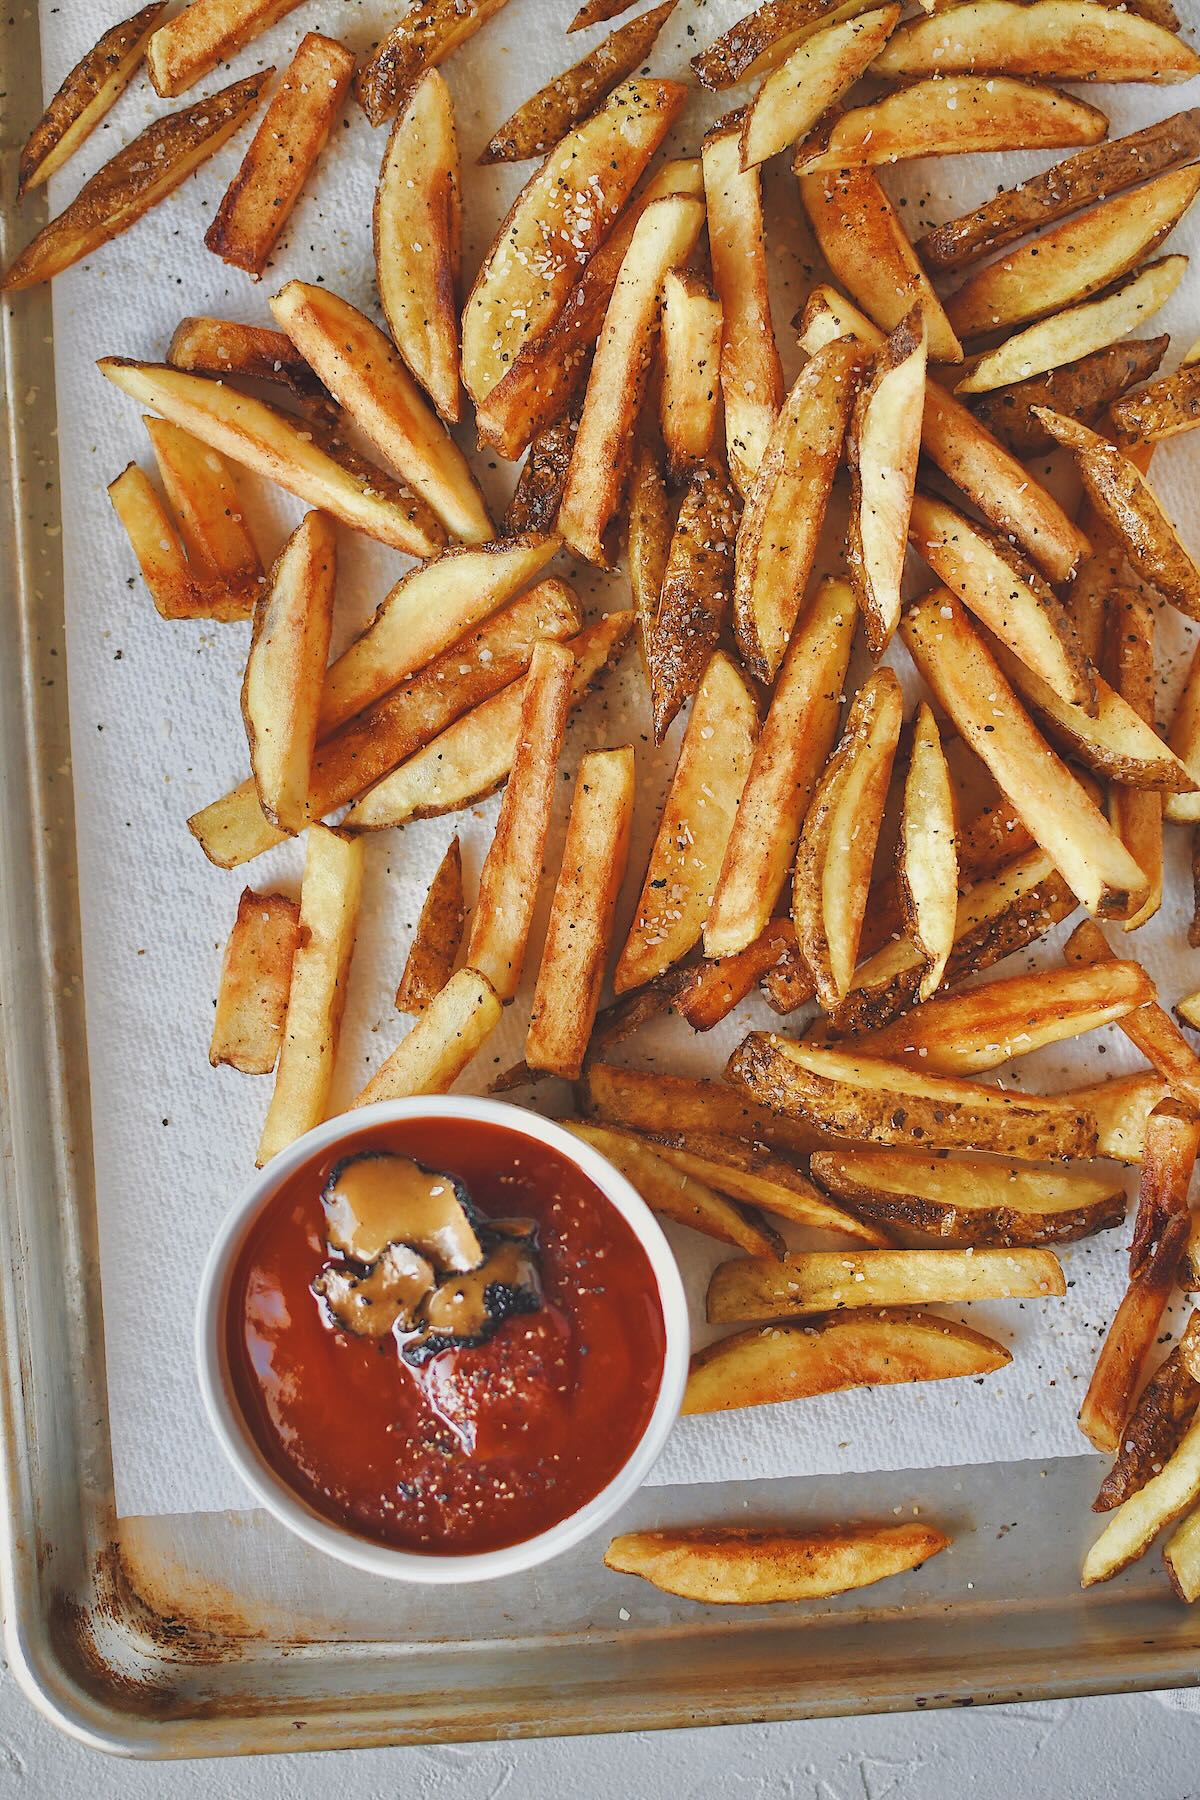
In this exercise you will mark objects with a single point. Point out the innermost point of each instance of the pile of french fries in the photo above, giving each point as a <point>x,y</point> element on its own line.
<point>820,840</point>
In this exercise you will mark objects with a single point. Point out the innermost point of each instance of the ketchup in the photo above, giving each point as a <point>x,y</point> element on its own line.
<point>488,1443</point>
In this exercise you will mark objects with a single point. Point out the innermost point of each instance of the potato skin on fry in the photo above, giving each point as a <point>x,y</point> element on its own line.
<point>1087,390</point>
<point>93,86</point>
<point>421,38</point>
<point>436,941</point>
<point>1152,1433</point>
<point>695,595</point>
<point>756,1568</point>
<point>1062,40</point>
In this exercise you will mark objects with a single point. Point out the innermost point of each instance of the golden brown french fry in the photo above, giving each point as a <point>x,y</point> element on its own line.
<point>813,77</point>
<point>1169,1148</point>
<point>580,927</point>
<point>330,894</point>
<point>646,1100</point>
<point>796,738</point>
<point>439,1046</point>
<point>205,346</point>
<point>1165,1408</point>
<point>149,168</point>
<point>677,1196</point>
<point>754,1568</point>
<point>761,1179</point>
<point>1184,740</point>
<point>837,845</point>
<point>766,37</point>
<point>1136,814</point>
<point>751,375</point>
<point>826,1356</point>
<point>1084,390</point>
<point>1073,332</point>
<point>539,490</point>
<point>1182,1558</point>
<point>472,757</point>
<point>950,115</point>
<point>281,692</point>
<point>1188,1010</point>
<point>540,122</point>
<point>1121,1107</point>
<point>966,680</point>
<point>1065,40</point>
<point>785,508</point>
<point>695,595</point>
<point>162,559</point>
<point>1165,408</point>
<point>556,222</point>
<point>1187,1274</point>
<point>200,492</point>
<point>91,89</point>
<point>693,830</point>
<point>926,855</point>
<point>868,251</point>
<point>1149,1029</point>
<point>966,1200</point>
<point>1107,1403</point>
<point>1134,1526</point>
<point>691,369</point>
<point>206,32</point>
<point>594,12</point>
<point>712,988</point>
<point>883,443</point>
<point>424,36</point>
<point>826,1281</point>
<point>256,974</point>
<point>648,541</point>
<point>438,937</point>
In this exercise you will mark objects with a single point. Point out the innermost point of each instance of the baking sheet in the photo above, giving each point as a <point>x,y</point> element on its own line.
<point>156,734</point>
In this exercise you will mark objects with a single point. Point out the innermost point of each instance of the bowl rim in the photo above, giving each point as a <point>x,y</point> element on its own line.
<point>284,1502</point>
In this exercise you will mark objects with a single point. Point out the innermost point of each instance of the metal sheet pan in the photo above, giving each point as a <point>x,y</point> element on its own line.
<point>217,1634</point>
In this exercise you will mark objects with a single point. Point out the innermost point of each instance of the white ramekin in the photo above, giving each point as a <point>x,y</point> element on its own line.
<point>284,1502</point>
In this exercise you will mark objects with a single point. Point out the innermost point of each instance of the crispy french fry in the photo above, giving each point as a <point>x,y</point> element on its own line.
<point>1136,814</point>
<point>751,375</point>
<point>554,225</point>
<point>439,1046</point>
<point>1169,1149</point>
<point>1134,1526</point>
<point>753,1568</point>
<point>646,1100</point>
<point>1084,390</point>
<point>438,937</point>
<point>761,1179</point>
<point>1184,740</point>
<point>883,443</point>
<point>1188,1010</point>
<point>949,115</point>
<point>826,1356</point>
<point>675,1195</point>
<point>966,1200</point>
<point>813,77</point>
<point>91,89</point>
<point>539,490</point>
<point>472,757</point>
<point>1076,330</point>
<point>766,37</point>
<point>693,830</point>
<point>1164,409</point>
<point>695,594</point>
<point>1187,1274</point>
<point>421,39</point>
<point>1149,1029</point>
<point>691,369</point>
<point>149,168</point>
<point>829,1281</point>
<point>1107,1403</point>
<point>330,894</point>
<point>200,492</point>
<point>1121,1107</point>
<point>648,541</point>
<point>868,251</point>
<point>1181,1556</point>
<point>281,692</point>
<point>1065,40</point>
<point>579,931</point>
<point>927,857</point>
<point>206,32</point>
<point>837,845</point>
<point>785,508</point>
<point>256,974</point>
<point>162,559</point>
<point>712,988</point>
<point>1165,1408</point>
<point>966,680</point>
<point>796,738</point>
<point>204,346</point>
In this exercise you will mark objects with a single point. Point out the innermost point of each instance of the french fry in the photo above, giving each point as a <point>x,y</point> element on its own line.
<point>1065,40</point>
<point>270,443</point>
<point>330,894</point>
<point>451,1030</point>
<point>646,1100</point>
<point>693,830</point>
<point>1187,1274</point>
<point>793,745</point>
<point>510,877</point>
<point>1107,1403</point>
<point>200,492</point>
<point>1181,1556</point>
<point>206,32</point>
<point>1164,409</point>
<point>554,225</point>
<point>1187,1010</point>
<point>281,692</point>
<point>472,757</point>
<point>677,1196</point>
<point>883,443</point>
<point>927,857</point>
<point>256,974</point>
<point>751,375</point>
<point>695,594</point>
<point>1089,390</point>
<point>1169,1149</point>
<point>761,1179</point>
<point>648,541</point>
<point>966,680</point>
<point>90,91</point>
<point>868,251</point>
<point>827,1356</point>
<point>438,937</point>
<point>1136,814</point>
<point>580,927</point>
<point>149,168</point>
<point>1076,330</point>
<point>421,39</point>
<point>539,490</point>
<point>162,559</point>
<point>966,1200</point>
<point>1008,497</point>
<point>691,369</point>
<point>1134,1526</point>
<point>984,1027</point>
<point>541,121</point>
<point>951,115</point>
<point>712,988</point>
<point>594,12</point>
<point>837,845</point>
<point>204,346</point>
<point>815,75</point>
<point>1184,739</point>
<point>785,508</point>
<point>766,37</point>
<point>1165,1408</point>
<point>1091,175</point>
<point>830,1281</point>
<point>1149,1029</point>
<point>543,380</point>
<point>1121,1107</point>
<point>754,1568</point>
<point>879,1102</point>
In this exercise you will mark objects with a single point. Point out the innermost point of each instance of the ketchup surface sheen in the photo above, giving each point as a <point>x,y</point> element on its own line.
<point>553,1404</point>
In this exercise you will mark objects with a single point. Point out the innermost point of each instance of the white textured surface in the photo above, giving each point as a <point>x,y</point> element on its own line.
<point>157,734</point>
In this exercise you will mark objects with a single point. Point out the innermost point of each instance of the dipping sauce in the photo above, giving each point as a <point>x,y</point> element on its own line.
<point>496,1374</point>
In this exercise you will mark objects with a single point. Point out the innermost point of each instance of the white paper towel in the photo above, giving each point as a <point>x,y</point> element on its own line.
<point>157,733</point>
